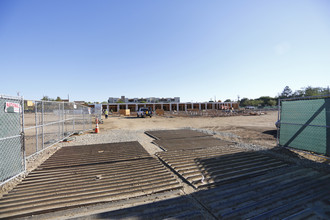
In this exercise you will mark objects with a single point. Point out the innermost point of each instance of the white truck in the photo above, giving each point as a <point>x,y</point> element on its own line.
<point>143,112</point>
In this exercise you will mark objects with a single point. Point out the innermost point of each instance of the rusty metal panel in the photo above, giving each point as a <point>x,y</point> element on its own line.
<point>176,208</point>
<point>292,192</point>
<point>82,182</point>
<point>209,167</point>
<point>190,143</point>
<point>93,154</point>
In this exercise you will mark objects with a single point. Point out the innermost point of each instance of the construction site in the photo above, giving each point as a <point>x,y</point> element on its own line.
<point>217,163</point>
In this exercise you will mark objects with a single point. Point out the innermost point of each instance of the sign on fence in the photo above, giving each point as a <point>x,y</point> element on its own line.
<point>12,107</point>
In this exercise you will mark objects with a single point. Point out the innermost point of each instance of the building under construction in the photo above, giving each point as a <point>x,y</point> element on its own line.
<point>179,106</point>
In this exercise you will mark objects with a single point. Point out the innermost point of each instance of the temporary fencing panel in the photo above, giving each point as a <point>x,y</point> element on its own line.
<point>305,125</point>
<point>11,146</point>
<point>47,123</point>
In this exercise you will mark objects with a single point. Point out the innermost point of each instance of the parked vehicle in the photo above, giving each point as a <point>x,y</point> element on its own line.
<point>143,112</point>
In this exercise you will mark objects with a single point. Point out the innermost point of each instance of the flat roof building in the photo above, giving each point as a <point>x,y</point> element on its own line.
<point>123,99</point>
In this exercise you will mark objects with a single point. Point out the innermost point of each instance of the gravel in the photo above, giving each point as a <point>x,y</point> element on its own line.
<point>115,136</point>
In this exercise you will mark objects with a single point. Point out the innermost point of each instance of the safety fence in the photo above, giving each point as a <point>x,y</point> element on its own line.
<point>12,160</point>
<point>28,127</point>
<point>305,124</point>
<point>47,123</point>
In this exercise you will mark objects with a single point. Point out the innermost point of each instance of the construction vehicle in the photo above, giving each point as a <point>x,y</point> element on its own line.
<point>143,112</point>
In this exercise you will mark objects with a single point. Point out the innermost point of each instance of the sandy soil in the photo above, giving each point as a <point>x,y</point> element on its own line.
<point>258,129</point>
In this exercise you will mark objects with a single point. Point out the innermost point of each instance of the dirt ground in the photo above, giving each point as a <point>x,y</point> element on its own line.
<point>254,129</point>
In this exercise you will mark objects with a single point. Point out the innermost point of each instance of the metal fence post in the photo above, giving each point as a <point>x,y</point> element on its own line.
<point>63,119</point>
<point>74,118</point>
<point>42,125</point>
<point>278,121</point>
<point>82,111</point>
<point>23,135</point>
<point>36,120</point>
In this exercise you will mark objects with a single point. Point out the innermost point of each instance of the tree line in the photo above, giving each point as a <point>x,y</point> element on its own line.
<point>46,98</point>
<point>264,101</point>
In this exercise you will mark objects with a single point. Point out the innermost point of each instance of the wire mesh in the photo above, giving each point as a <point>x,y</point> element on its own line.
<point>305,124</point>
<point>12,161</point>
<point>47,123</point>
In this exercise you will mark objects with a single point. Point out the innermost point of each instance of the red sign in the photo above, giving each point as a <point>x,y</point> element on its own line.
<point>12,107</point>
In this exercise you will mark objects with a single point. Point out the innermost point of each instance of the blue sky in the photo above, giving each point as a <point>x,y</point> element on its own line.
<point>196,50</point>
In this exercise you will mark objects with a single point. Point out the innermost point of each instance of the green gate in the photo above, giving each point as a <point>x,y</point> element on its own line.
<point>11,147</point>
<point>305,125</point>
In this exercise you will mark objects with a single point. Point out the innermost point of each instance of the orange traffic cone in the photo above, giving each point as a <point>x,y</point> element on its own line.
<point>97,126</point>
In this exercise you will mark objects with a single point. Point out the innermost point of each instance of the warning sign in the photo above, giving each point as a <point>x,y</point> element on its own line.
<point>12,107</point>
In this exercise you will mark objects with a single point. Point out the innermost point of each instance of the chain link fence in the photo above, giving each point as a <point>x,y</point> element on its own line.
<point>12,160</point>
<point>47,123</point>
<point>28,127</point>
<point>304,124</point>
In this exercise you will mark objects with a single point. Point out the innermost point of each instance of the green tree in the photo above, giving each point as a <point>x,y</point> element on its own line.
<point>287,92</point>
<point>264,100</point>
<point>298,93</point>
<point>46,98</point>
<point>244,102</point>
<point>313,91</point>
<point>272,102</point>
<point>58,99</point>
<point>256,102</point>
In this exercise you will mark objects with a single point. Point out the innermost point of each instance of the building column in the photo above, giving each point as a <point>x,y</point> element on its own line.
<point>154,107</point>
<point>205,105</point>
<point>177,106</point>
<point>117,107</point>
<point>162,106</point>
<point>170,107</point>
<point>185,106</point>
<point>126,106</point>
<point>200,106</point>
<point>192,105</point>
<point>136,107</point>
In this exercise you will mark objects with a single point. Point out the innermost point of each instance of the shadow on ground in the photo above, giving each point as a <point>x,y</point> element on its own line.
<point>243,185</point>
<point>271,132</point>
